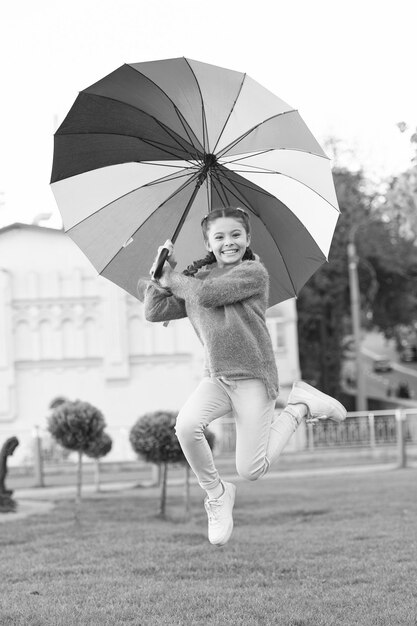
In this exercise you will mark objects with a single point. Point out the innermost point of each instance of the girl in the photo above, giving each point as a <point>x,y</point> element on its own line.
<point>225,296</point>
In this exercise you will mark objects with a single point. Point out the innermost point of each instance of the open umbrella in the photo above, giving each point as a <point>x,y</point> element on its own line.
<point>147,151</point>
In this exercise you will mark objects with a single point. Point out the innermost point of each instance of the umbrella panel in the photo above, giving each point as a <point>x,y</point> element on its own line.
<point>128,85</point>
<point>204,93</point>
<point>245,115</point>
<point>110,133</point>
<point>314,215</point>
<point>309,169</point>
<point>102,235</point>
<point>78,197</point>
<point>287,131</point>
<point>135,260</point>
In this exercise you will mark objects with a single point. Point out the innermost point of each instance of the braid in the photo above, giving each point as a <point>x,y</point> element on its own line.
<point>194,267</point>
<point>249,255</point>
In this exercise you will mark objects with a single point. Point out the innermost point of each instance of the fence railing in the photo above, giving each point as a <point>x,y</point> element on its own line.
<point>37,450</point>
<point>359,430</point>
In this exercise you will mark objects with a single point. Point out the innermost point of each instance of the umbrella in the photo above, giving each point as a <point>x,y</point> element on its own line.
<point>148,150</point>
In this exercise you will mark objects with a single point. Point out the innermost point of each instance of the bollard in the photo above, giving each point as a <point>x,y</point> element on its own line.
<point>371,420</point>
<point>400,422</point>
<point>310,436</point>
<point>38,458</point>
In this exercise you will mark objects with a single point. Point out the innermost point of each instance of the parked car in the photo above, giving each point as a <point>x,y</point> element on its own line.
<point>382,365</point>
<point>408,354</point>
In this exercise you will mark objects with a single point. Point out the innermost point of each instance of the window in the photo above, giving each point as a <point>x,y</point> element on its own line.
<point>277,333</point>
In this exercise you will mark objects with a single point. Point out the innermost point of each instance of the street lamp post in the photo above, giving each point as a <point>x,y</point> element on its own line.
<point>361,403</point>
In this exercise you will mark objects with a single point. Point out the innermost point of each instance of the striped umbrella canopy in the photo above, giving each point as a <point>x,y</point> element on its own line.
<point>147,151</point>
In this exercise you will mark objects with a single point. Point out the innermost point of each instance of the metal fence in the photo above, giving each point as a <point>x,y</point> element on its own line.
<point>371,430</point>
<point>359,430</point>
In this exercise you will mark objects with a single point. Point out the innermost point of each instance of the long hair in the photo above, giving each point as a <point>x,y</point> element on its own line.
<point>235,212</point>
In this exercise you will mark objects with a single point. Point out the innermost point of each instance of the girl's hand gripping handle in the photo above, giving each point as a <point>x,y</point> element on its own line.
<point>165,253</point>
<point>159,263</point>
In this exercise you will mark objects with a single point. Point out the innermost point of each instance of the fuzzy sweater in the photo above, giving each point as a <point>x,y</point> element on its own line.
<point>226,307</point>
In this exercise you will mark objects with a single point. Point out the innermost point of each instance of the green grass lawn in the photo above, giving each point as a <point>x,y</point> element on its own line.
<point>305,552</point>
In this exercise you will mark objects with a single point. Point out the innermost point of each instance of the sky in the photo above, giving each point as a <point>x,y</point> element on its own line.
<point>348,67</point>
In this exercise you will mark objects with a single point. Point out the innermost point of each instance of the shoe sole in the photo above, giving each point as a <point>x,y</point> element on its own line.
<point>221,543</point>
<point>335,404</point>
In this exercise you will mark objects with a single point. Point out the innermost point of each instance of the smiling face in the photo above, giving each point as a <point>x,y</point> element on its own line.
<point>228,240</point>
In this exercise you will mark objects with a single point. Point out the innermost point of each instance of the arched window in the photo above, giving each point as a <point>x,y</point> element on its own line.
<point>68,339</point>
<point>48,346</point>
<point>23,341</point>
<point>91,338</point>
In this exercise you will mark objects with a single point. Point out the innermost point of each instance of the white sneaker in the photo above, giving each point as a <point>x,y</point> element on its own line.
<point>319,405</point>
<point>220,518</point>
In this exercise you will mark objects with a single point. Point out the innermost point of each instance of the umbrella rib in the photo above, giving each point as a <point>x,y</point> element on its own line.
<point>231,111</point>
<point>137,109</point>
<point>183,121</point>
<point>177,191</point>
<point>256,170</point>
<point>170,177</point>
<point>203,110</point>
<point>237,194</point>
<point>247,156</point>
<point>240,198</point>
<point>167,164</point>
<point>252,154</point>
<point>154,144</point>
<point>297,180</point>
<point>250,130</point>
<point>170,99</point>
<point>156,182</point>
<point>234,143</point>
<point>225,200</point>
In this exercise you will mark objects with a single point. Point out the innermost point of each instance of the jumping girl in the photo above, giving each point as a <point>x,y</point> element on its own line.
<point>225,296</point>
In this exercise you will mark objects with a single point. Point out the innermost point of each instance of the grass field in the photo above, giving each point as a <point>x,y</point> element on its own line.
<point>305,552</point>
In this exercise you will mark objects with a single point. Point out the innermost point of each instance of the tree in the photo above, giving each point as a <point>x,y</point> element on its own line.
<point>387,268</point>
<point>57,401</point>
<point>392,249</point>
<point>96,450</point>
<point>393,259</point>
<point>77,426</point>
<point>323,305</point>
<point>153,438</point>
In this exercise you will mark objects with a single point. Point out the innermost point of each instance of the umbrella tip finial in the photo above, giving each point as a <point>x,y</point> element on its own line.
<point>210,159</point>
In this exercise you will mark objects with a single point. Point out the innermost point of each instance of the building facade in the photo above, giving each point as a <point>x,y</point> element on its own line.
<point>64,331</point>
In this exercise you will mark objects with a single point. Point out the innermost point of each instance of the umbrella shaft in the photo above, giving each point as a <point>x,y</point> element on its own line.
<point>201,178</point>
<point>163,255</point>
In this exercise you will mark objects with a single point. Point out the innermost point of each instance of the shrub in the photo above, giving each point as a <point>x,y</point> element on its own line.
<point>77,426</point>
<point>96,450</point>
<point>153,438</point>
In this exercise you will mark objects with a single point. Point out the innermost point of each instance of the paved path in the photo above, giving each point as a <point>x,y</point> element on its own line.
<point>37,500</point>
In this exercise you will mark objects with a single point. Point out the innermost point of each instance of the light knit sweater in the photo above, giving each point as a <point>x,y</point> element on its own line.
<point>226,307</point>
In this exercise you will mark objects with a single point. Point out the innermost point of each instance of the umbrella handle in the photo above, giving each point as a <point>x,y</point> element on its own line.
<point>162,257</point>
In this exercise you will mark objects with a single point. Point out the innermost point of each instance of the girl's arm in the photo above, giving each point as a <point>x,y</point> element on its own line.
<point>160,304</point>
<point>247,279</point>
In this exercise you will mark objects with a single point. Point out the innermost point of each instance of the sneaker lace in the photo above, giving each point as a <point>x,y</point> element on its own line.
<point>213,509</point>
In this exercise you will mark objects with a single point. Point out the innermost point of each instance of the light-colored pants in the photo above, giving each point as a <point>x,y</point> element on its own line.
<point>260,434</point>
